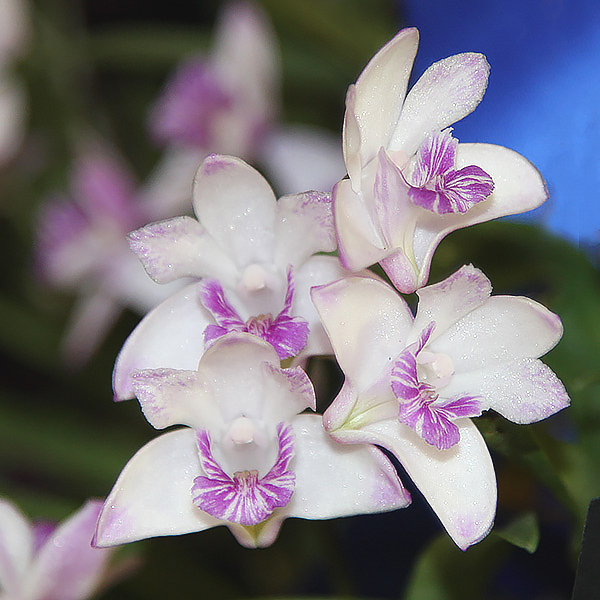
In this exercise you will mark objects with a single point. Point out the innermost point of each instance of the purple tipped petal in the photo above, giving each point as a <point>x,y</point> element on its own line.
<point>179,247</point>
<point>244,499</point>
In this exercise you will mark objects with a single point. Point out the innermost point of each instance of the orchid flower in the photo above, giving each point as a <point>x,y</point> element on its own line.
<point>410,181</point>
<point>413,383</point>
<point>257,255</point>
<point>227,102</point>
<point>247,458</point>
<point>42,562</point>
<point>15,30</point>
<point>82,248</point>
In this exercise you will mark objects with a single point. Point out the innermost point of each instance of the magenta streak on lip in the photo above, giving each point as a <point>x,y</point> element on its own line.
<point>438,187</point>
<point>420,406</point>
<point>287,334</point>
<point>244,498</point>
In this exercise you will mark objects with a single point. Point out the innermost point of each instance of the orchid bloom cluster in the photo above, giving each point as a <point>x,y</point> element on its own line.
<point>223,357</point>
<point>226,102</point>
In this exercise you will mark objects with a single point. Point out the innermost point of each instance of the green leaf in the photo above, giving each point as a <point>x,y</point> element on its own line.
<point>523,532</point>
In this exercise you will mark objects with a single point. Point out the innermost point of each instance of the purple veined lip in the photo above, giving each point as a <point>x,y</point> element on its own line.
<point>287,334</point>
<point>244,498</point>
<point>438,187</point>
<point>420,405</point>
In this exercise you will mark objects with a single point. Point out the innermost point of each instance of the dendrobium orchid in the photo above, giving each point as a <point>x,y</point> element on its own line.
<point>43,562</point>
<point>412,383</point>
<point>82,248</point>
<point>247,458</point>
<point>410,181</point>
<point>227,102</point>
<point>257,254</point>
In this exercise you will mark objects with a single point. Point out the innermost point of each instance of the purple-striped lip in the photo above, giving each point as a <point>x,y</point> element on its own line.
<point>420,405</point>
<point>287,334</point>
<point>243,497</point>
<point>437,186</point>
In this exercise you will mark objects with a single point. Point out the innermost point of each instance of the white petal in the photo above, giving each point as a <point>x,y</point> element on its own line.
<point>337,480</point>
<point>180,247</point>
<point>502,329</point>
<point>152,495</point>
<point>351,141</point>
<point>450,300</point>
<point>317,270</point>
<point>359,243</point>
<point>380,91</point>
<point>299,158</point>
<point>16,548</point>
<point>459,483</point>
<point>170,336</point>
<point>90,322</point>
<point>304,227</point>
<point>236,205</point>
<point>448,91</point>
<point>67,566</point>
<point>518,187</point>
<point>234,365</point>
<point>12,117</point>
<point>246,58</point>
<point>523,390</point>
<point>367,323</point>
<point>174,397</point>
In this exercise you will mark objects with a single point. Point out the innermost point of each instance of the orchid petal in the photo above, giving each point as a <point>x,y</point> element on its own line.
<point>89,323</point>
<point>180,247</point>
<point>237,207</point>
<point>367,323</point>
<point>459,483</point>
<point>235,361</point>
<point>392,205</point>
<point>502,329</point>
<point>16,548</point>
<point>317,270</point>
<point>523,390</point>
<point>67,566</point>
<point>351,141</point>
<point>449,301</point>
<point>152,495</point>
<point>359,243</point>
<point>380,92</point>
<point>448,91</point>
<point>518,187</point>
<point>360,479</point>
<point>13,112</point>
<point>304,227</point>
<point>170,336</point>
<point>174,397</point>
